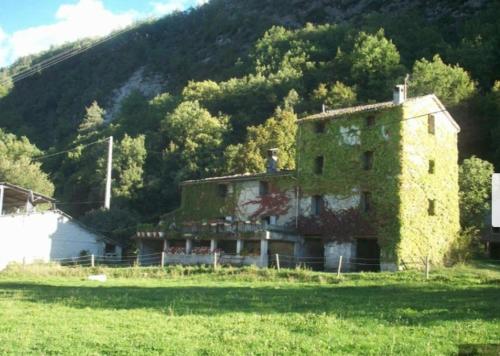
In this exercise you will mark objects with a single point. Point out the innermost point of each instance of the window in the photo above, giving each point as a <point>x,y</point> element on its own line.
<point>318,165</point>
<point>496,230</point>
<point>431,124</point>
<point>432,207</point>
<point>370,121</point>
<point>263,188</point>
<point>266,220</point>
<point>222,190</point>
<point>109,248</point>
<point>319,127</point>
<point>367,160</point>
<point>432,166</point>
<point>366,201</point>
<point>316,204</point>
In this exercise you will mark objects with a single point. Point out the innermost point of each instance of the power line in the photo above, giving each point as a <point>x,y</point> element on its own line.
<point>70,149</point>
<point>60,57</point>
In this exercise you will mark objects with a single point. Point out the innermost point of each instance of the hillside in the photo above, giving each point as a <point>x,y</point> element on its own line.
<point>225,64</point>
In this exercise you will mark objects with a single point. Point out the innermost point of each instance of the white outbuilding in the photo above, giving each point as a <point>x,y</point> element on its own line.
<point>32,229</point>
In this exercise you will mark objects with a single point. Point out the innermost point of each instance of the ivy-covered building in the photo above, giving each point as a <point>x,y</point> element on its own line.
<point>376,184</point>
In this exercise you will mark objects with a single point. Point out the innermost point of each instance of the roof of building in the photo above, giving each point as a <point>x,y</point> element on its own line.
<point>15,193</point>
<point>338,112</point>
<point>240,177</point>
<point>330,114</point>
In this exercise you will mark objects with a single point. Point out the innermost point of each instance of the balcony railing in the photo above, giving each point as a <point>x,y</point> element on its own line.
<point>215,227</point>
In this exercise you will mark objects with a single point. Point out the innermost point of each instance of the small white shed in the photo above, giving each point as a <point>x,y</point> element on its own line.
<point>28,235</point>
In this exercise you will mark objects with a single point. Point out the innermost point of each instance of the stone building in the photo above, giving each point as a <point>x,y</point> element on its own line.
<point>376,184</point>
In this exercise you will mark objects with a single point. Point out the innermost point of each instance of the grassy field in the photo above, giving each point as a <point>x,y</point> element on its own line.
<point>53,310</point>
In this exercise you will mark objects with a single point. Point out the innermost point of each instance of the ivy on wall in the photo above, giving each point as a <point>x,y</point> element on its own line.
<point>342,144</point>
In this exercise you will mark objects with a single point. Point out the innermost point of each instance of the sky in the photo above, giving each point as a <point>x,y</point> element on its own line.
<point>32,26</point>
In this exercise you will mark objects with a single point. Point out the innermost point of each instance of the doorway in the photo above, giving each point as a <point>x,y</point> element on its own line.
<point>367,255</point>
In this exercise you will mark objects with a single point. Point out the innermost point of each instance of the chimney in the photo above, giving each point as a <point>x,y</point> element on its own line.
<point>399,94</point>
<point>272,160</point>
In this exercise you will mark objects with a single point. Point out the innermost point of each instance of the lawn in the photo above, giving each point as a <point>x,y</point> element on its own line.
<point>195,311</point>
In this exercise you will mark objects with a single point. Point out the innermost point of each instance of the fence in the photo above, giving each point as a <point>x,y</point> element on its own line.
<point>339,265</point>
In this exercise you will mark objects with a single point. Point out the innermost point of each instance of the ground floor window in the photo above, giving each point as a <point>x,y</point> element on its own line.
<point>251,248</point>
<point>367,255</point>
<point>227,246</point>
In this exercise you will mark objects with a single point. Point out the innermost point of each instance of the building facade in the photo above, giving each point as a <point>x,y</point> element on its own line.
<point>33,230</point>
<point>375,184</point>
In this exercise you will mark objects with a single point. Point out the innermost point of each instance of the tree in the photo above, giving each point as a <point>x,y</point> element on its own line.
<point>128,163</point>
<point>277,132</point>
<point>451,84</point>
<point>336,96</point>
<point>375,65</point>
<point>117,223</point>
<point>475,191</point>
<point>5,84</point>
<point>93,120</point>
<point>17,165</point>
<point>196,139</point>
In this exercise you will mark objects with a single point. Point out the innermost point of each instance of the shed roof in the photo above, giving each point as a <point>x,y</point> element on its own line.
<point>15,194</point>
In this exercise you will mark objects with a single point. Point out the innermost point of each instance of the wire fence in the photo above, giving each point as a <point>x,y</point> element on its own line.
<point>219,258</point>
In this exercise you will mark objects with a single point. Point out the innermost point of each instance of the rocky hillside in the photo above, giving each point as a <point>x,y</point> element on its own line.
<point>205,43</point>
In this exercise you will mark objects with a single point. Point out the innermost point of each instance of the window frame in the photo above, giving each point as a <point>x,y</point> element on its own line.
<point>319,127</point>
<point>431,208</point>
<point>431,124</point>
<point>319,165</point>
<point>366,201</point>
<point>264,188</point>
<point>370,121</point>
<point>432,166</point>
<point>368,160</point>
<point>317,205</point>
<point>222,190</point>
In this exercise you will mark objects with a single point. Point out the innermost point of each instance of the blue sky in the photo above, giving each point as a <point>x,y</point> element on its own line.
<point>31,26</point>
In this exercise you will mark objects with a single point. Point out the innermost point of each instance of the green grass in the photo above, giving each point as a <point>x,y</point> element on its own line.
<point>52,310</point>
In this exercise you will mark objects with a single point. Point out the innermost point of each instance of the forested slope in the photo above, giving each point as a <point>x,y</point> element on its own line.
<point>207,91</point>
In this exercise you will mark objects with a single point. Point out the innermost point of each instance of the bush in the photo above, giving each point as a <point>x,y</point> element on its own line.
<point>466,246</point>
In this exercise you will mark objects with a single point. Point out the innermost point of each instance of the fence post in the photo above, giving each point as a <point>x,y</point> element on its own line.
<point>162,259</point>
<point>339,268</point>
<point>215,260</point>
<point>138,260</point>
<point>427,267</point>
<point>278,261</point>
<point>92,260</point>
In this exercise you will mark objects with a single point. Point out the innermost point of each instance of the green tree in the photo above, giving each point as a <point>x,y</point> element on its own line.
<point>128,162</point>
<point>18,167</point>
<point>93,120</point>
<point>117,223</point>
<point>475,191</point>
<point>196,140</point>
<point>5,84</point>
<point>278,131</point>
<point>336,96</point>
<point>375,65</point>
<point>451,84</point>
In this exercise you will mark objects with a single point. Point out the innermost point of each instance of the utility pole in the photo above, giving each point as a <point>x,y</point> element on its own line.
<point>107,198</point>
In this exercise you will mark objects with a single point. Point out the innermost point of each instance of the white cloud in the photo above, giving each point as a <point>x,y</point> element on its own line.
<point>201,2</point>
<point>167,7</point>
<point>87,18</point>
